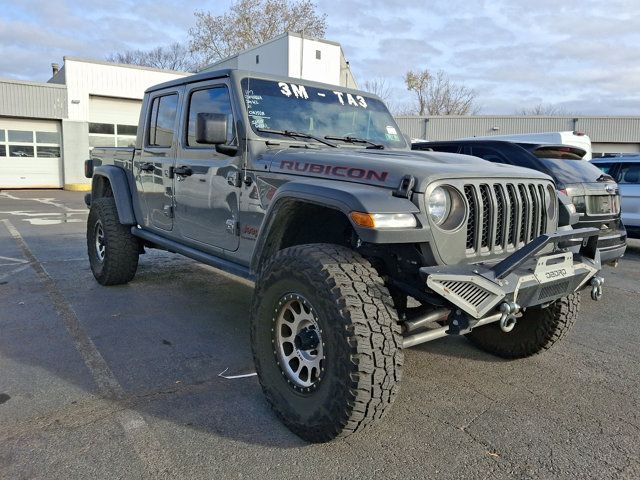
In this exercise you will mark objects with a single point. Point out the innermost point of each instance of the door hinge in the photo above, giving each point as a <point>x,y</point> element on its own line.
<point>232,226</point>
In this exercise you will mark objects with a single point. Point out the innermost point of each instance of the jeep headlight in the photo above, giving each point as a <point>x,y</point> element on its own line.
<point>439,205</point>
<point>446,207</point>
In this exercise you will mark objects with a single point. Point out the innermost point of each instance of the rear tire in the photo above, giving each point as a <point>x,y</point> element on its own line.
<point>537,330</point>
<point>113,251</point>
<point>354,370</point>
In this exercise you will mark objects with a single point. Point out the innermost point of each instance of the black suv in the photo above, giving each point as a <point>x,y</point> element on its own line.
<point>594,193</point>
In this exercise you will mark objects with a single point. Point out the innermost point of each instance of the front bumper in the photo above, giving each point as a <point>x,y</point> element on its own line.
<point>526,278</point>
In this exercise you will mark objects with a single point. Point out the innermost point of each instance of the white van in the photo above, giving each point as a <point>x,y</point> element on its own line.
<point>576,139</point>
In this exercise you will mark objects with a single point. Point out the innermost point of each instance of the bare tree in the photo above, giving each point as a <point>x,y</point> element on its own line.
<point>379,87</point>
<point>251,22</point>
<point>172,57</point>
<point>545,110</point>
<point>438,95</point>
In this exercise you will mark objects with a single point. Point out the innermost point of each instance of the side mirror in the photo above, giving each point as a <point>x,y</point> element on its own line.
<point>211,128</point>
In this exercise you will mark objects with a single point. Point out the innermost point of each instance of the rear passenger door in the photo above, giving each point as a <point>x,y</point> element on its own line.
<point>629,182</point>
<point>152,166</point>
<point>206,199</point>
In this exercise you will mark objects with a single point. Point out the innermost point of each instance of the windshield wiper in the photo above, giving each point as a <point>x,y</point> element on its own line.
<point>349,139</point>
<point>294,134</point>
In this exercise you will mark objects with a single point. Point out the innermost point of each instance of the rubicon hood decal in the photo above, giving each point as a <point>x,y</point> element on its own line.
<point>387,167</point>
<point>334,170</point>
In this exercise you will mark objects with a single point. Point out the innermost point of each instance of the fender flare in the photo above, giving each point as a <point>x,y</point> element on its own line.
<point>121,193</point>
<point>345,198</point>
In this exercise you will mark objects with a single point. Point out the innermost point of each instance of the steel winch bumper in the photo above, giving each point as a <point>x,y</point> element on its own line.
<point>539,273</point>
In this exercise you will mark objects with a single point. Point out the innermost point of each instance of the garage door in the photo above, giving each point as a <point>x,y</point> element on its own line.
<point>113,122</point>
<point>30,153</point>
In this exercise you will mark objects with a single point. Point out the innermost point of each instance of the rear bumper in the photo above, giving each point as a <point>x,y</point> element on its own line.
<point>526,278</point>
<point>610,254</point>
<point>611,247</point>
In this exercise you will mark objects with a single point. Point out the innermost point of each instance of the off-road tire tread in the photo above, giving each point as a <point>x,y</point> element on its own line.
<point>551,325</point>
<point>367,312</point>
<point>123,249</point>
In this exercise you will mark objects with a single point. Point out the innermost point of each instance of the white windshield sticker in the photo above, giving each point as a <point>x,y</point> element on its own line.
<point>391,130</point>
<point>356,101</point>
<point>292,89</point>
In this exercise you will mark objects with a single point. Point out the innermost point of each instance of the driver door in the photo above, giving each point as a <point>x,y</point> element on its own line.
<point>207,196</point>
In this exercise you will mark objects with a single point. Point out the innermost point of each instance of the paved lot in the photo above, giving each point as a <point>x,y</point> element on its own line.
<point>122,382</point>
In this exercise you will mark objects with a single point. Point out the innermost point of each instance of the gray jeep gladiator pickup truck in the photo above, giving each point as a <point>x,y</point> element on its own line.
<point>358,246</point>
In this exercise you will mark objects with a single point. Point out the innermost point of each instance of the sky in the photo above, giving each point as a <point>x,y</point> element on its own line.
<point>581,56</point>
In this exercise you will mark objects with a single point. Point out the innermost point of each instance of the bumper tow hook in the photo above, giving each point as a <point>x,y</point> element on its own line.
<point>596,288</point>
<point>508,318</point>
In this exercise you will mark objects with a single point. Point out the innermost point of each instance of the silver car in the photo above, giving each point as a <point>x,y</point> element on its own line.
<point>626,171</point>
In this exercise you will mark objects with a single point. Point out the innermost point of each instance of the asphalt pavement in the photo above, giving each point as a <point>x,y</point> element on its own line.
<point>124,382</point>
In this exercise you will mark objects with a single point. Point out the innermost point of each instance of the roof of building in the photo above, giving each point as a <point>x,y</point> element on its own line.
<point>30,83</point>
<point>123,65</point>
<point>274,39</point>
<point>617,159</point>
<point>19,98</point>
<point>600,128</point>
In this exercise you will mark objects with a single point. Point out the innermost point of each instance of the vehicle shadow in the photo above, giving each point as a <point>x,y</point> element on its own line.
<point>189,339</point>
<point>166,337</point>
<point>456,346</point>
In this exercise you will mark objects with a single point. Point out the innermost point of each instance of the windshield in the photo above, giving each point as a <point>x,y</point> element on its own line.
<point>568,172</point>
<point>320,112</point>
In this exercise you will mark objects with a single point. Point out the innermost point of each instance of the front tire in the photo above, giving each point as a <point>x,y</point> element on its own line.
<point>537,330</point>
<point>326,341</point>
<point>113,251</point>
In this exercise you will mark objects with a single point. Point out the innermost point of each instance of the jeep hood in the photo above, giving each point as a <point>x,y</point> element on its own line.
<point>387,167</point>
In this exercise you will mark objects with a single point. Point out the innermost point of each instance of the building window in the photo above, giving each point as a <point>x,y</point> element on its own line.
<point>163,120</point>
<point>110,135</point>
<point>318,54</point>
<point>257,59</point>
<point>20,136</point>
<point>20,143</point>
<point>127,130</point>
<point>47,152</point>
<point>20,150</point>
<point>48,137</point>
<point>102,128</point>
<point>102,141</point>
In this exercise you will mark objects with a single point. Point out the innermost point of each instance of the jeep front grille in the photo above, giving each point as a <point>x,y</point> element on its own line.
<point>504,216</point>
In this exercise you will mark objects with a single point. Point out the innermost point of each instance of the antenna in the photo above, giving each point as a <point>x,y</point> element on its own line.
<point>246,130</point>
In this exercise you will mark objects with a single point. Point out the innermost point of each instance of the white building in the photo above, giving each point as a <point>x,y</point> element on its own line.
<point>294,55</point>
<point>47,129</point>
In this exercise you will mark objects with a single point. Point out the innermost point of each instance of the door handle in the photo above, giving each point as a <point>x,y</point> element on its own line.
<point>146,167</point>
<point>183,171</point>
